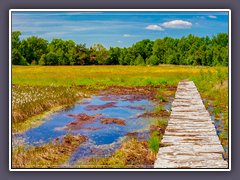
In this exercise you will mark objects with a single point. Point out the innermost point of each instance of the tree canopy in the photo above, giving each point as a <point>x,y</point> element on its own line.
<point>190,50</point>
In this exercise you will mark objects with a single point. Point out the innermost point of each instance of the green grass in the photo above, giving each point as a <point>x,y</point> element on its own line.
<point>160,122</point>
<point>154,143</point>
<point>103,75</point>
<point>214,87</point>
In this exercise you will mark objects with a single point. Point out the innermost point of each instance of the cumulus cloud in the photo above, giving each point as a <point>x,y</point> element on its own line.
<point>154,27</point>
<point>212,17</point>
<point>177,24</point>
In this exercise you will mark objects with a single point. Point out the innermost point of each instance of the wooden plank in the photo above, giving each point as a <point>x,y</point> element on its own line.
<point>190,139</point>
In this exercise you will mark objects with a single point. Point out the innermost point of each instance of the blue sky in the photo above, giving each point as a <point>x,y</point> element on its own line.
<point>118,28</point>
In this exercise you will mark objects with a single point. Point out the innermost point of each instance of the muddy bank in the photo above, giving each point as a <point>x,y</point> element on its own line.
<point>152,114</point>
<point>137,93</point>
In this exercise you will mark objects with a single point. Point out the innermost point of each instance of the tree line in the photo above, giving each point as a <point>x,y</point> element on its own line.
<point>190,50</point>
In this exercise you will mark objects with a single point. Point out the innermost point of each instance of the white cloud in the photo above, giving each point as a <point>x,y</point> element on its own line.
<point>126,35</point>
<point>177,24</point>
<point>154,27</point>
<point>212,17</point>
<point>119,41</point>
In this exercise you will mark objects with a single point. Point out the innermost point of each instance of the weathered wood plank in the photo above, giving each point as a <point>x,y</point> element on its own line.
<point>190,139</point>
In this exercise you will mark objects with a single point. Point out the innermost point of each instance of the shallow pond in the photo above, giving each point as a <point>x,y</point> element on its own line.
<point>102,138</point>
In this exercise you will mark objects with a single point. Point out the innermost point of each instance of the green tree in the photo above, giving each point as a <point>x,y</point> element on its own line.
<point>16,40</point>
<point>33,48</point>
<point>50,59</point>
<point>152,60</point>
<point>159,50</point>
<point>143,47</point>
<point>101,54</point>
<point>114,55</point>
<point>17,58</point>
<point>190,50</point>
<point>82,55</point>
<point>139,61</point>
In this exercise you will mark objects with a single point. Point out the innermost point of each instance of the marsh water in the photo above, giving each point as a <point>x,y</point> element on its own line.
<point>102,139</point>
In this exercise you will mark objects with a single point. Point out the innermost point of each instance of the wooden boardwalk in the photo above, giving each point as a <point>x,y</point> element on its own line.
<point>190,139</point>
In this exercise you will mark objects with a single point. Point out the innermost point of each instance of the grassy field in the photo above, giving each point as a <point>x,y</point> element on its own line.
<point>39,89</point>
<point>76,81</point>
<point>103,75</point>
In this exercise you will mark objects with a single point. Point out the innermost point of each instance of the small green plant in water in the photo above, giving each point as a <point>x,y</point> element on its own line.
<point>153,143</point>
<point>161,98</point>
<point>159,108</point>
<point>161,122</point>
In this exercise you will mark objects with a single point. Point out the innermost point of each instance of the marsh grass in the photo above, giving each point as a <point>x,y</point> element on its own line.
<point>28,101</point>
<point>160,122</point>
<point>34,121</point>
<point>214,86</point>
<point>50,155</point>
<point>132,154</point>
<point>154,143</point>
<point>161,94</point>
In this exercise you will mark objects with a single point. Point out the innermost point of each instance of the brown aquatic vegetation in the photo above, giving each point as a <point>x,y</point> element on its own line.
<point>156,128</point>
<point>136,107</point>
<point>100,107</point>
<point>83,102</point>
<point>132,134</point>
<point>133,153</point>
<point>113,121</point>
<point>136,92</point>
<point>81,120</point>
<point>133,98</point>
<point>92,128</point>
<point>109,98</point>
<point>50,155</point>
<point>150,114</point>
